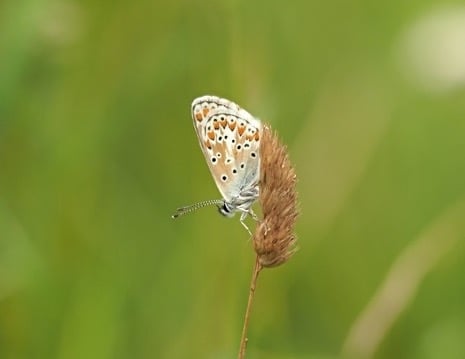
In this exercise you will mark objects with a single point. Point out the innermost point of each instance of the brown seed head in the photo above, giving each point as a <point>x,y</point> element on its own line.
<point>274,238</point>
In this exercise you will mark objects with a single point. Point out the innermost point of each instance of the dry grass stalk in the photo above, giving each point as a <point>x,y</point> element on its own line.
<point>274,239</point>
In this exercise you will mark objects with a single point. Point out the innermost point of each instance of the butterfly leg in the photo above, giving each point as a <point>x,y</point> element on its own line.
<point>243,216</point>
<point>252,214</point>
<point>255,217</point>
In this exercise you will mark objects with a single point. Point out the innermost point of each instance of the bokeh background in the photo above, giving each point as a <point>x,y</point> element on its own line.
<point>97,150</point>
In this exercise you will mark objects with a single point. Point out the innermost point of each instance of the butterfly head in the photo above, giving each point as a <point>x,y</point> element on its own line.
<point>226,209</point>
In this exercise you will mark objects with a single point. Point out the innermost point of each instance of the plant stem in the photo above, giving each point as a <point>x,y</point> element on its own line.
<point>253,284</point>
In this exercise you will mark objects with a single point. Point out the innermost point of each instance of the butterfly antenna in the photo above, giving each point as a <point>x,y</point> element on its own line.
<point>188,209</point>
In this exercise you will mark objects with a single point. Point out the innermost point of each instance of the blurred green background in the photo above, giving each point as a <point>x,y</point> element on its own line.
<point>97,150</point>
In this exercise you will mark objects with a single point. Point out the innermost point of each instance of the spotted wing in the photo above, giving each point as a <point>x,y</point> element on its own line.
<point>229,138</point>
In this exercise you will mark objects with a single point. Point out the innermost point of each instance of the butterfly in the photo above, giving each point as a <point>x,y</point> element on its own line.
<point>229,137</point>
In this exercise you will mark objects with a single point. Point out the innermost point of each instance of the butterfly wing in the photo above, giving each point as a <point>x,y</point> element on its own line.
<point>229,138</point>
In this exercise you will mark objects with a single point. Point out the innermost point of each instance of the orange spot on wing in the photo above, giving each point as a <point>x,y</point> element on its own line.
<point>208,144</point>
<point>211,135</point>
<point>216,125</point>
<point>257,136</point>
<point>241,130</point>
<point>232,125</point>
<point>205,111</point>
<point>223,123</point>
<point>198,117</point>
